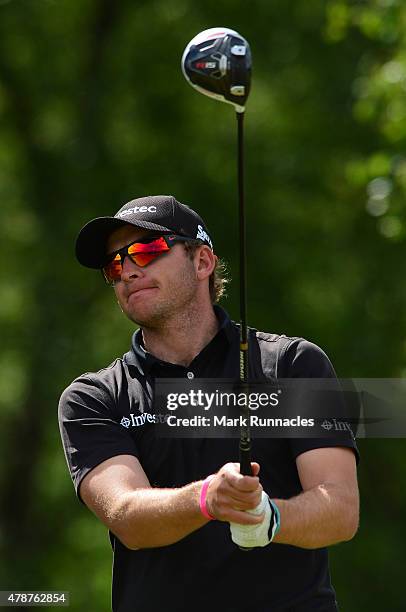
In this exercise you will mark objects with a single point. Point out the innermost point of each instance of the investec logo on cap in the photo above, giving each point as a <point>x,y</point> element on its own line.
<point>203,235</point>
<point>136,209</point>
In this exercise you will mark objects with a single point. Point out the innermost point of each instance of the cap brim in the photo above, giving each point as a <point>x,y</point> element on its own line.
<point>91,242</point>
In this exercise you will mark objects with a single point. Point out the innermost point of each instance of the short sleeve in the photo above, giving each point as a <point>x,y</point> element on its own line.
<point>90,434</point>
<point>303,359</point>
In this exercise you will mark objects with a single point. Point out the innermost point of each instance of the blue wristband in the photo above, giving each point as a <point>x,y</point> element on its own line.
<point>277,517</point>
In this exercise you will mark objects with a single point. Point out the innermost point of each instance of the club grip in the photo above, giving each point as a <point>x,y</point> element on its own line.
<point>245,461</point>
<point>245,469</point>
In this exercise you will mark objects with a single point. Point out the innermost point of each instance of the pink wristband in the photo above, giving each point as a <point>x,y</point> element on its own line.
<point>203,494</point>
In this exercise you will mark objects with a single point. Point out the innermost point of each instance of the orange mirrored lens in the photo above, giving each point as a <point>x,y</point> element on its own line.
<point>140,253</point>
<point>112,271</point>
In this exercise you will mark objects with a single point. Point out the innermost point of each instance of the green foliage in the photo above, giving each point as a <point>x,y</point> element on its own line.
<point>94,111</point>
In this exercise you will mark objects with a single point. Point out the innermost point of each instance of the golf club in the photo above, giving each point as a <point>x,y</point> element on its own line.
<point>217,62</point>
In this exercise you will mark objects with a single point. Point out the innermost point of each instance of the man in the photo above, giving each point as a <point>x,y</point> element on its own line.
<point>169,524</point>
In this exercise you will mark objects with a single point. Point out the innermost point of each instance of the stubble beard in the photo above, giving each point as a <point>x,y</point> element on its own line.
<point>163,310</point>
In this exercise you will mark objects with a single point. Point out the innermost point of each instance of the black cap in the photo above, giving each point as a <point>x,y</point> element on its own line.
<point>162,213</point>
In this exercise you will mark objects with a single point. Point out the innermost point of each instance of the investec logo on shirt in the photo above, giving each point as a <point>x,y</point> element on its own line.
<point>138,420</point>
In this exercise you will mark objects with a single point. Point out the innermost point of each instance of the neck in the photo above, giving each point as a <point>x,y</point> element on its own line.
<point>182,337</point>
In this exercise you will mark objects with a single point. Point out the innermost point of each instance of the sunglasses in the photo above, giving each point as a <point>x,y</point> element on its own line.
<point>141,252</point>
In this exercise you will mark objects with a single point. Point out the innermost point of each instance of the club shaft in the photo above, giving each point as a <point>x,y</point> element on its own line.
<point>245,437</point>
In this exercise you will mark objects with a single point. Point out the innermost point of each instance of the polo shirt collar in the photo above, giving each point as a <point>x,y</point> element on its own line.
<point>144,360</point>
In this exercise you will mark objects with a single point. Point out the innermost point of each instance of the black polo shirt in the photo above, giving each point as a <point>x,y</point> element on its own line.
<point>105,414</point>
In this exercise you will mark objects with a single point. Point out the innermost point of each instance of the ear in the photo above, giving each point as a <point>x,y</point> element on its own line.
<point>205,262</point>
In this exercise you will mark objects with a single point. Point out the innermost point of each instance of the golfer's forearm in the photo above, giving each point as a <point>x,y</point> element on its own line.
<point>319,517</point>
<point>150,517</point>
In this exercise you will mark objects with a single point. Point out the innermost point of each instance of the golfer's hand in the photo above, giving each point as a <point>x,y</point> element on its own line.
<point>252,536</point>
<point>230,495</point>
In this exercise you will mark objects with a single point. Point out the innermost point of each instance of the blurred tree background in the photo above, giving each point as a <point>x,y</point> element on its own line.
<point>94,111</point>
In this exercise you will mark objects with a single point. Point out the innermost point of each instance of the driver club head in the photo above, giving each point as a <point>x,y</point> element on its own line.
<point>217,62</point>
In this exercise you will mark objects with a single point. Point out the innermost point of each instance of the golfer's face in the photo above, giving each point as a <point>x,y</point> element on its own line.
<point>148,294</point>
